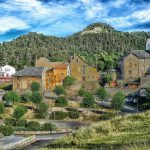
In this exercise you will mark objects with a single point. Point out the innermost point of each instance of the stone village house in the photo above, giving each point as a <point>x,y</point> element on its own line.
<point>49,74</point>
<point>136,65</point>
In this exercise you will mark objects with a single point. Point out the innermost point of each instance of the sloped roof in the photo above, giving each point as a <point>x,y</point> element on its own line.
<point>30,72</point>
<point>141,53</point>
<point>50,64</point>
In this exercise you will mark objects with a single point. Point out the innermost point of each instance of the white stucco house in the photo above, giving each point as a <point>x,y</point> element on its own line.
<point>6,73</point>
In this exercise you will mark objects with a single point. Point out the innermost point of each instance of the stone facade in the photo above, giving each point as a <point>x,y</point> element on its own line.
<point>134,66</point>
<point>82,71</point>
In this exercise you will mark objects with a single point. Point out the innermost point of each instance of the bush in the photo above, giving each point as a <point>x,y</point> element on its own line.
<point>26,96</point>
<point>118,101</point>
<point>102,93</point>
<point>6,130</point>
<point>21,123</point>
<point>36,97</point>
<point>33,126</point>
<point>19,111</point>
<point>11,97</point>
<point>2,108</point>
<point>10,121</point>
<point>74,114</point>
<point>35,86</point>
<point>82,92</point>
<point>58,115</point>
<point>41,110</point>
<point>59,90</point>
<point>88,100</point>
<point>68,81</point>
<point>48,127</point>
<point>61,101</point>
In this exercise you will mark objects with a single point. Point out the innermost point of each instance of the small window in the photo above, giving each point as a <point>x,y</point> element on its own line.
<point>130,71</point>
<point>62,74</point>
<point>130,65</point>
<point>77,61</point>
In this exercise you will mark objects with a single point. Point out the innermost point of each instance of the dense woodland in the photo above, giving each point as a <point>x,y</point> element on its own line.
<point>98,41</point>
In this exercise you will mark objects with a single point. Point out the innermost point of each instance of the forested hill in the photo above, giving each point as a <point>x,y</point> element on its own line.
<point>94,40</point>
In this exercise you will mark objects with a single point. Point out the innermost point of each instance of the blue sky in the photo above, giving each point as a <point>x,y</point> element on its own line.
<point>65,17</point>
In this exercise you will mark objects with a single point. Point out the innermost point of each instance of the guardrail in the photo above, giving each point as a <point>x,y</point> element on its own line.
<point>20,144</point>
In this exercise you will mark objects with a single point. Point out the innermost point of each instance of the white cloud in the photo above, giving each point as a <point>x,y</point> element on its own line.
<point>141,16</point>
<point>9,23</point>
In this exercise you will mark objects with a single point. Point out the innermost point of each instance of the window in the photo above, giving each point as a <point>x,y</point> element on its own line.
<point>62,74</point>
<point>77,61</point>
<point>83,69</point>
<point>130,71</point>
<point>130,64</point>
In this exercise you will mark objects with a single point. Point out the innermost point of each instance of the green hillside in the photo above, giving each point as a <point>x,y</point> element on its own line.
<point>121,133</point>
<point>24,50</point>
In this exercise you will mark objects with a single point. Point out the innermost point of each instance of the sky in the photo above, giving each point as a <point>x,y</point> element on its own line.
<point>64,17</point>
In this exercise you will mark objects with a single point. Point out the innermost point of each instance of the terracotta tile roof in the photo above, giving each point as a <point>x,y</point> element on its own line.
<point>30,72</point>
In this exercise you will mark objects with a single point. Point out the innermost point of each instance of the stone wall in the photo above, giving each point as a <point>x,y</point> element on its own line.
<point>81,71</point>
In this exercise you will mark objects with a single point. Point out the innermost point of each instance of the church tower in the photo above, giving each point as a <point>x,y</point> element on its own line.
<point>148,45</point>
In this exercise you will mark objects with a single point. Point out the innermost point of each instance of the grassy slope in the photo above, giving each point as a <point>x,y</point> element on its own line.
<point>129,132</point>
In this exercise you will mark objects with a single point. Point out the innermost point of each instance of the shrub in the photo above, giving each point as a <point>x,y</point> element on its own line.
<point>74,114</point>
<point>2,108</point>
<point>61,101</point>
<point>6,130</point>
<point>33,126</point>
<point>118,101</point>
<point>48,127</point>
<point>21,123</point>
<point>58,115</point>
<point>36,97</point>
<point>102,93</point>
<point>82,92</point>
<point>10,121</point>
<point>26,96</point>
<point>59,90</point>
<point>35,86</point>
<point>11,97</point>
<point>88,100</point>
<point>41,110</point>
<point>19,111</point>
<point>68,81</point>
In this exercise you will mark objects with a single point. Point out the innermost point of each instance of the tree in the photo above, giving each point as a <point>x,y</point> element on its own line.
<point>19,111</point>
<point>68,81</point>
<point>61,101</point>
<point>102,93</point>
<point>41,110</point>
<point>48,127</point>
<point>21,123</point>
<point>6,130</point>
<point>36,97</point>
<point>88,100</point>
<point>74,114</point>
<point>118,101</point>
<point>35,86</point>
<point>2,108</point>
<point>33,126</point>
<point>11,97</point>
<point>59,90</point>
<point>26,96</point>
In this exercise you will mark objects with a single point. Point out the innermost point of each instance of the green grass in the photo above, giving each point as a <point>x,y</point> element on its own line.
<point>121,133</point>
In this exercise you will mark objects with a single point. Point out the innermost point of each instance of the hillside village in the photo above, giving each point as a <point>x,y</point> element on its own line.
<point>71,91</point>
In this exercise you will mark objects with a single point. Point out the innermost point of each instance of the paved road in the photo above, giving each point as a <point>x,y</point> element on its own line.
<point>12,139</point>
